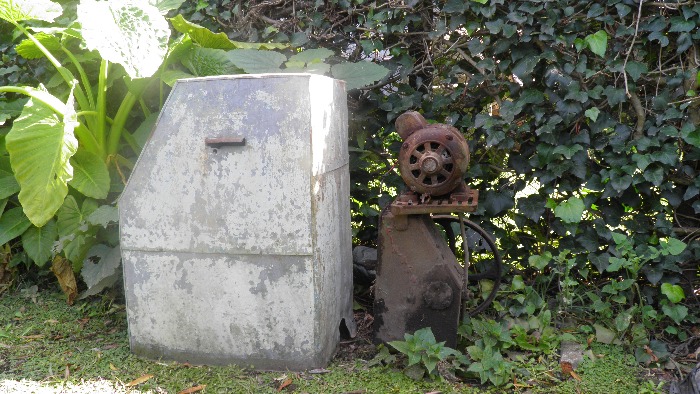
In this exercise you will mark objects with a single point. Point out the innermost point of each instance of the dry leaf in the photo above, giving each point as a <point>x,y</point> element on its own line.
<point>66,375</point>
<point>193,389</point>
<point>284,384</point>
<point>651,354</point>
<point>139,380</point>
<point>30,337</point>
<point>63,270</point>
<point>568,370</point>
<point>112,367</point>
<point>566,367</point>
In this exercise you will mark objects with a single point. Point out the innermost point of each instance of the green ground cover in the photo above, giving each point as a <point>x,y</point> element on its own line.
<point>47,346</point>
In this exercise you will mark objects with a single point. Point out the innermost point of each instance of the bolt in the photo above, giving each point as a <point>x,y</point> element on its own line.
<point>405,145</point>
<point>449,137</point>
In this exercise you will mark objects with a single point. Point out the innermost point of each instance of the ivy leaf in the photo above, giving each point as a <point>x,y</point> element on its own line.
<point>692,137</point>
<point>674,293</point>
<point>674,246</point>
<point>532,207</point>
<point>90,174</point>
<point>254,61</point>
<point>592,113</point>
<point>357,75</point>
<point>597,42</point>
<point>636,69</point>
<point>38,242</point>
<point>133,34</point>
<point>12,224</point>
<point>621,183</point>
<point>540,261</point>
<point>14,11</point>
<point>40,146</point>
<point>666,156</point>
<point>676,312</point>
<point>567,151</point>
<point>680,25</point>
<point>570,211</point>
<point>494,202</point>
<point>654,175</point>
<point>455,7</point>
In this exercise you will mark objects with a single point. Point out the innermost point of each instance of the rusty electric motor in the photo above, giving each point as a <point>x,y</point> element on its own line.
<point>433,158</point>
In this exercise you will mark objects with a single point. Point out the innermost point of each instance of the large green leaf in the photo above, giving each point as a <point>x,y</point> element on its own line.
<point>357,75</point>
<point>104,215</point>
<point>203,62</point>
<point>40,145</point>
<point>570,211</point>
<point>311,55</point>
<point>38,242</point>
<point>8,184</point>
<point>14,11</point>
<point>29,50</point>
<point>71,218</point>
<point>169,77</point>
<point>254,61</point>
<point>9,110</point>
<point>208,39</point>
<point>12,224</point>
<point>133,34</point>
<point>166,5</point>
<point>101,268</point>
<point>90,174</point>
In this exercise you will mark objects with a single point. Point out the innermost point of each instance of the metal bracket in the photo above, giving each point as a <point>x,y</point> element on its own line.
<point>225,141</point>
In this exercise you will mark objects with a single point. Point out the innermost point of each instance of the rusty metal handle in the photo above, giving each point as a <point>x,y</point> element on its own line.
<point>224,141</point>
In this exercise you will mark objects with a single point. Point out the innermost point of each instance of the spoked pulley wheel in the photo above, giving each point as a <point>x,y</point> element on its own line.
<point>485,264</point>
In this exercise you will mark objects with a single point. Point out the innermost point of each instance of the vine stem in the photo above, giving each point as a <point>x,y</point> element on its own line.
<point>634,99</point>
<point>629,51</point>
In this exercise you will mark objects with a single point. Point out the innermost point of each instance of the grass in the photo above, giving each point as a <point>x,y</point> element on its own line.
<point>47,346</point>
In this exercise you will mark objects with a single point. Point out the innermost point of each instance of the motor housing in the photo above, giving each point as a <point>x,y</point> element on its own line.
<point>433,158</point>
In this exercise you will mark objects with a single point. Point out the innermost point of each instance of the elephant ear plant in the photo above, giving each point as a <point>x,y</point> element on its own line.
<point>64,135</point>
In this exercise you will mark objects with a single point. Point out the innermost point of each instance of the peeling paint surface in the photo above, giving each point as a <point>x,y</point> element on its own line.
<point>241,254</point>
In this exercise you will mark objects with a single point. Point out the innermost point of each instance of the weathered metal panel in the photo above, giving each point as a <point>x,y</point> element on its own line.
<point>219,309</point>
<point>235,224</point>
<point>189,197</point>
<point>331,211</point>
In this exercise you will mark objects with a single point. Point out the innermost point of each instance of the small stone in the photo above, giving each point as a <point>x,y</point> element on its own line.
<point>571,352</point>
